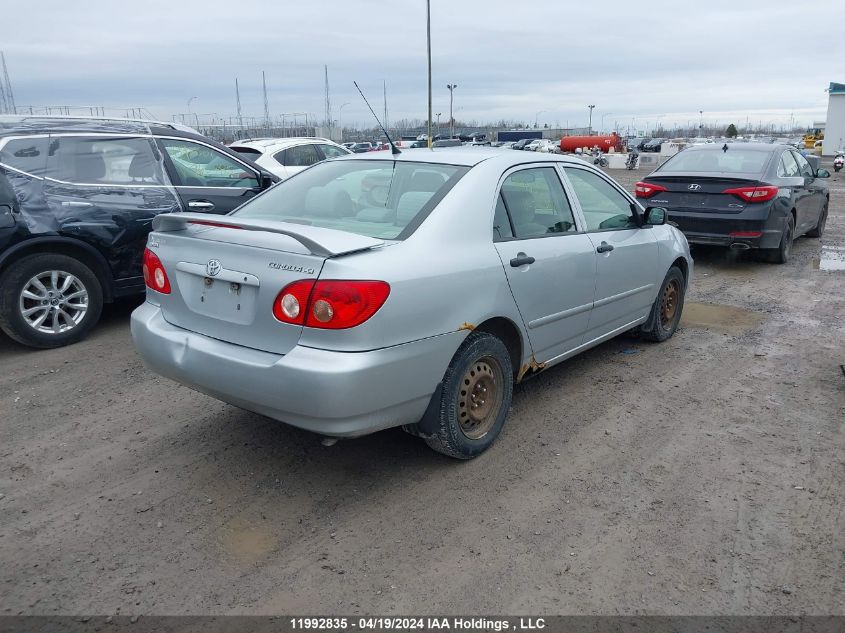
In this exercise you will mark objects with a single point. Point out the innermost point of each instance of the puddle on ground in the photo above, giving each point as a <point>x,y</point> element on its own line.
<point>246,541</point>
<point>720,317</point>
<point>832,258</point>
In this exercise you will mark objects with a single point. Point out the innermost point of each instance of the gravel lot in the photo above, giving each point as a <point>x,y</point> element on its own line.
<point>699,476</point>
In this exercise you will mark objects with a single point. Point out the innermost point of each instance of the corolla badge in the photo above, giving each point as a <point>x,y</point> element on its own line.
<point>694,187</point>
<point>213,267</point>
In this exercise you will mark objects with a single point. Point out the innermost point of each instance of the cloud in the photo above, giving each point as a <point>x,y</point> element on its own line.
<point>510,60</point>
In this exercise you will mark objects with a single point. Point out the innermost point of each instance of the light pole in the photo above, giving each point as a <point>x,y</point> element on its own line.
<point>536,114</point>
<point>428,44</point>
<point>602,120</point>
<point>451,88</point>
<point>701,123</point>
<point>590,133</point>
<point>340,119</point>
<point>438,122</point>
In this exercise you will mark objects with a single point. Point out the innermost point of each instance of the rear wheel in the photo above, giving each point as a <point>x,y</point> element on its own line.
<point>49,300</point>
<point>477,392</point>
<point>667,308</point>
<point>819,228</point>
<point>780,255</point>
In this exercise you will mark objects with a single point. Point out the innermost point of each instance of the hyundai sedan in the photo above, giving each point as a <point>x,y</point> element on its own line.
<point>748,196</point>
<point>414,290</point>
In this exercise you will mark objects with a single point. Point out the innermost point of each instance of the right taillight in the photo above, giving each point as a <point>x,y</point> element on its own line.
<point>647,189</point>
<point>331,304</point>
<point>761,193</point>
<point>154,274</point>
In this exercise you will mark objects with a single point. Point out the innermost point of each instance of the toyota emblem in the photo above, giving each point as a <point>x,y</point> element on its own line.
<point>694,187</point>
<point>213,267</point>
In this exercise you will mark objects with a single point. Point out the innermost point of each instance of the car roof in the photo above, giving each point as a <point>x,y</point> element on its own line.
<point>268,144</point>
<point>468,156</point>
<point>759,147</point>
<point>18,123</point>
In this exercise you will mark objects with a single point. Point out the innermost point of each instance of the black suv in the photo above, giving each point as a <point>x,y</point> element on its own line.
<point>77,198</point>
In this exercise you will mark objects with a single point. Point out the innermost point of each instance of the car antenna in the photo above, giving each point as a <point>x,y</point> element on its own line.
<point>393,149</point>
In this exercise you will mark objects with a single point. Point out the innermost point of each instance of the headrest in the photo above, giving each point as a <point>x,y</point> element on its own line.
<point>410,204</point>
<point>143,165</point>
<point>89,167</point>
<point>328,202</point>
<point>520,204</point>
<point>426,181</point>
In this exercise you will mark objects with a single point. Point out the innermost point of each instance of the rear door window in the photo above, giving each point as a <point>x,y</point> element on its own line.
<point>330,151</point>
<point>105,161</point>
<point>299,156</point>
<point>536,203</point>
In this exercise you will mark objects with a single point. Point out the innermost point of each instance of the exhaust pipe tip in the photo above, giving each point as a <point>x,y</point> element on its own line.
<point>740,246</point>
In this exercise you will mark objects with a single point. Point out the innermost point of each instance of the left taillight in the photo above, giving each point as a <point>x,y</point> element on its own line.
<point>330,304</point>
<point>761,193</point>
<point>154,274</point>
<point>647,189</point>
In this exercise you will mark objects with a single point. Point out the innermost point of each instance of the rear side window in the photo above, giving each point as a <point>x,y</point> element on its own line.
<point>382,199</point>
<point>731,161</point>
<point>788,167</point>
<point>27,155</point>
<point>299,156</point>
<point>104,161</point>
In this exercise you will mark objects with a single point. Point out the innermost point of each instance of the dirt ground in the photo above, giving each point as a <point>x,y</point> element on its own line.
<point>699,476</point>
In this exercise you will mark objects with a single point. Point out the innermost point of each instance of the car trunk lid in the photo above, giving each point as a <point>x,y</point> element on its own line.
<point>225,273</point>
<point>699,193</point>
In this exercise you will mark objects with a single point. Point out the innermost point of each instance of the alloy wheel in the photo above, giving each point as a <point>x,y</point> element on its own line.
<point>53,302</point>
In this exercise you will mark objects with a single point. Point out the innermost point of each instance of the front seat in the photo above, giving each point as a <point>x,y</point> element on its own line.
<point>89,168</point>
<point>142,168</point>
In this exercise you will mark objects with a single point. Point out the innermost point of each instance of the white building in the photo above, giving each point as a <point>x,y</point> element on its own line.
<point>834,134</point>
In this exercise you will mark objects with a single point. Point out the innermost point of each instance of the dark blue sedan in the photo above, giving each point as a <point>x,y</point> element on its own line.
<point>742,196</point>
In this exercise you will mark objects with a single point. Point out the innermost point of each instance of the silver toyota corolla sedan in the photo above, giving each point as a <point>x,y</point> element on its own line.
<point>376,290</point>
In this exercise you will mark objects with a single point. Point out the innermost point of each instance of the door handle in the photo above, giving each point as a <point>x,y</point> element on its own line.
<point>604,247</point>
<point>521,259</point>
<point>200,205</point>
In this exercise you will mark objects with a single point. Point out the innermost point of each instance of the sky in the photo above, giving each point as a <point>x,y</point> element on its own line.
<point>639,62</point>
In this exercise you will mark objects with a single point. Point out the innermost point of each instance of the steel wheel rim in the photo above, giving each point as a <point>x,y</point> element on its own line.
<point>480,397</point>
<point>669,302</point>
<point>53,302</point>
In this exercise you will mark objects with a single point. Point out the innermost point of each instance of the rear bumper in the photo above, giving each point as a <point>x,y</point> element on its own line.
<point>342,394</point>
<point>717,228</point>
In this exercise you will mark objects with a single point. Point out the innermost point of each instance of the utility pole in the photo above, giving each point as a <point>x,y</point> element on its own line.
<point>384,93</point>
<point>590,128</point>
<point>428,42</point>
<point>238,104</point>
<point>701,123</point>
<point>266,104</point>
<point>328,100</point>
<point>451,88</point>
<point>10,97</point>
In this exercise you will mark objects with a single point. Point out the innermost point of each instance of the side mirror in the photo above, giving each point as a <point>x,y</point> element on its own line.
<point>266,181</point>
<point>822,173</point>
<point>655,216</point>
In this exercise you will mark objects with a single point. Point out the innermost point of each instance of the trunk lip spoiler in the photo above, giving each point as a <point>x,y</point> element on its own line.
<point>321,242</point>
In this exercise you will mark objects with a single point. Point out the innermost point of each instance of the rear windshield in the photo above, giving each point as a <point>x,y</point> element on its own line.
<point>381,199</point>
<point>732,161</point>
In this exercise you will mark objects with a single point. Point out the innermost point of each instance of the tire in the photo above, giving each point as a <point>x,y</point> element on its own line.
<point>667,308</point>
<point>781,254</point>
<point>819,228</point>
<point>480,372</point>
<point>73,308</point>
